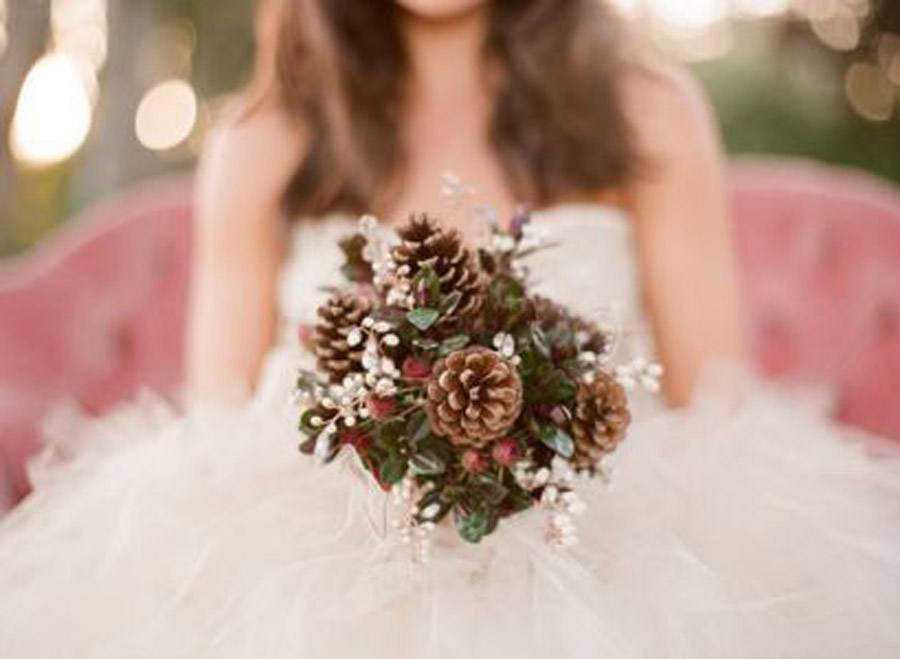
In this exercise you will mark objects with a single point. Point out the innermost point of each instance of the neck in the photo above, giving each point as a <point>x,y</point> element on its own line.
<point>445,55</point>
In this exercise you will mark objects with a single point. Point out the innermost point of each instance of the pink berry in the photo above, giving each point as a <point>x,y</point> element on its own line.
<point>474,462</point>
<point>506,452</point>
<point>416,368</point>
<point>381,408</point>
<point>558,414</point>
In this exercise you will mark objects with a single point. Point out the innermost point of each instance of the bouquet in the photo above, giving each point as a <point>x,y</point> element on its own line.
<point>465,394</point>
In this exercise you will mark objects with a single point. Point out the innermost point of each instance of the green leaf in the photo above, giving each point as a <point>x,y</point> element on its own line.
<point>473,526</point>
<point>450,493</point>
<point>551,385</point>
<point>393,469</point>
<point>453,344</point>
<point>426,344</point>
<point>306,380</point>
<point>558,440</point>
<point>489,490</point>
<point>389,434</point>
<point>531,360</point>
<point>422,317</point>
<point>539,340</point>
<point>418,427</point>
<point>392,315</point>
<point>306,425</point>
<point>431,498</point>
<point>427,464</point>
<point>564,388</point>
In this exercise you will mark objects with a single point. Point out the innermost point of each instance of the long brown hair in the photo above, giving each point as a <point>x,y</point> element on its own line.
<point>558,127</point>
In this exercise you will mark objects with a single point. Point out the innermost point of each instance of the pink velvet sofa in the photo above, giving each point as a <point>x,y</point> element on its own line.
<point>99,310</point>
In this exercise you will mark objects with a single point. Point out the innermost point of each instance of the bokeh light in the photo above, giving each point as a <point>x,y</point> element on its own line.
<point>166,115</point>
<point>761,8</point>
<point>840,30</point>
<point>79,29</point>
<point>690,16</point>
<point>869,91</point>
<point>53,114</point>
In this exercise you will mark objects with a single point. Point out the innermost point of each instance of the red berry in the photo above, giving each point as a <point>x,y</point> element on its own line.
<point>416,368</point>
<point>506,452</point>
<point>381,408</point>
<point>474,462</point>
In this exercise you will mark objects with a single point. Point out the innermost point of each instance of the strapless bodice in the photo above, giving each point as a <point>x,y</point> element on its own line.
<point>591,268</point>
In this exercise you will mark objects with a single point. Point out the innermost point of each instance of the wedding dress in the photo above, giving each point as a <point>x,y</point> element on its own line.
<point>744,526</point>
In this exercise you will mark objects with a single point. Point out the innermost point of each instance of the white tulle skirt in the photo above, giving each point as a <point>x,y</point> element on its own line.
<point>743,527</point>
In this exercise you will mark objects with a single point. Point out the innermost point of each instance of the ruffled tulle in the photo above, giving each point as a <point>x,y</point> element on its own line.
<point>746,526</point>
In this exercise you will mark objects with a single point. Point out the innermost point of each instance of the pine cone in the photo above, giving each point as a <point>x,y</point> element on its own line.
<point>600,420</point>
<point>474,396</point>
<point>549,315</point>
<point>425,244</point>
<point>337,317</point>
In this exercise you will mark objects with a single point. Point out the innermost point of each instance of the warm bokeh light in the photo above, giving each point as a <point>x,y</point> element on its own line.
<point>870,92</point>
<point>839,30</point>
<point>53,113</point>
<point>690,16</point>
<point>167,115</point>
<point>761,8</point>
<point>79,28</point>
<point>702,29</point>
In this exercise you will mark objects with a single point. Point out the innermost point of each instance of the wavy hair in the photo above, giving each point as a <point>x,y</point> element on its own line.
<point>554,69</point>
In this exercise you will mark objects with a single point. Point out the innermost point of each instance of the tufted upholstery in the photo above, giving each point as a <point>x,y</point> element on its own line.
<point>92,314</point>
<point>819,251</point>
<point>100,309</point>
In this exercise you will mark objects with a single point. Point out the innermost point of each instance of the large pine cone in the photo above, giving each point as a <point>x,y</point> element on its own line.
<point>600,420</point>
<point>337,317</point>
<point>474,396</point>
<point>549,315</point>
<point>425,244</point>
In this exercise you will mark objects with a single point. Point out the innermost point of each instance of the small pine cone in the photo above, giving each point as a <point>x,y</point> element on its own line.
<point>474,397</point>
<point>549,314</point>
<point>600,420</point>
<point>546,311</point>
<point>425,244</point>
<point>337,317</point>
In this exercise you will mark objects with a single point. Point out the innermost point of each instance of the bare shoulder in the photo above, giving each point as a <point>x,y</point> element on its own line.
<point>668,110</point>
<point>251,154</point>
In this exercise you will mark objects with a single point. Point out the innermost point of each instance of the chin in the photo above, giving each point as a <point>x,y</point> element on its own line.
<point>439,9</point>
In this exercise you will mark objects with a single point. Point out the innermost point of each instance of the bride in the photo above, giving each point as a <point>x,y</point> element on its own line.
<point>738,522</point>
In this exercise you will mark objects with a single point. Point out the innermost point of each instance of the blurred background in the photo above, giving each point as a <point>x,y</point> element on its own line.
<point>98,94</point>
